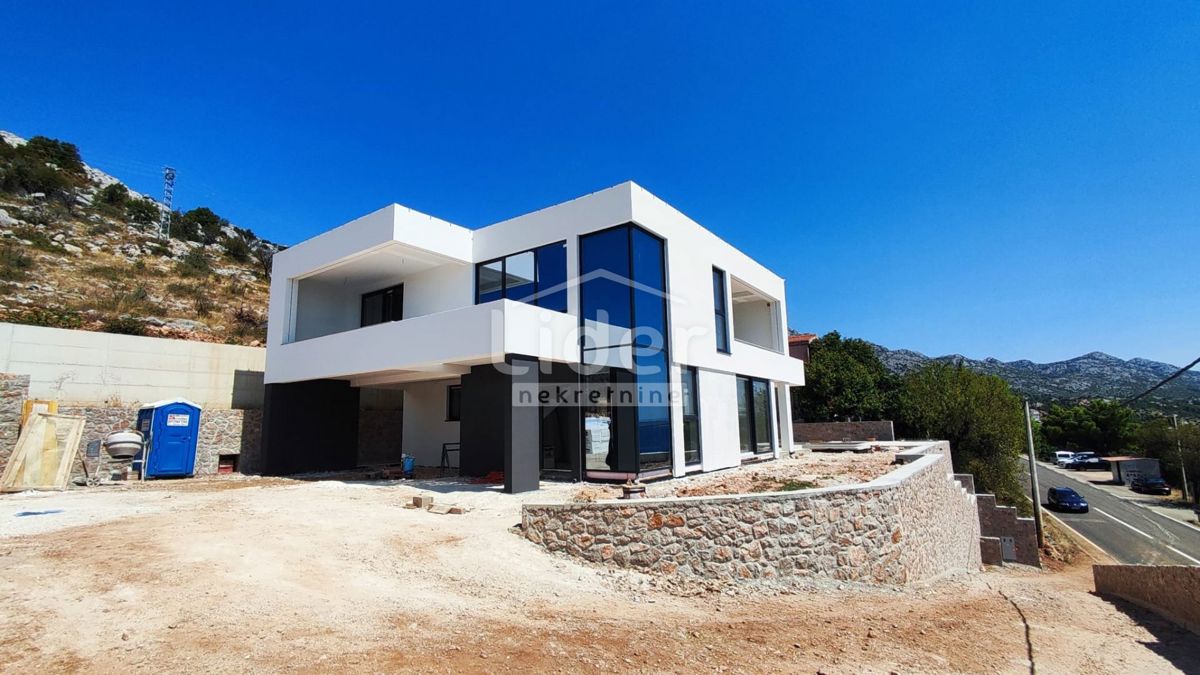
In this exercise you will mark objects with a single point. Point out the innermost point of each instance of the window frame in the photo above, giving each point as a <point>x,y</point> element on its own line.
<point>693,373</point>
<point>533,297</point>
<point>721,311</point>
<point>665,349</point>
<point>397,291</point>
<point>748,383</point>
<point>450,415</point>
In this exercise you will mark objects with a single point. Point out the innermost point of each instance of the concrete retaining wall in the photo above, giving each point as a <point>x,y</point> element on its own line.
<point>84,368</point>
<point>915,523</point>
<point>806,432</point>
<point>1171,591</point>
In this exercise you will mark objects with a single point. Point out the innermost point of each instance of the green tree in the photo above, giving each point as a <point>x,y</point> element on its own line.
<point>142,211</point>
<point>202,225</point>
<point>844,378</point>
<point>981,417</point>
<point>113,197</point>
<point>1105,427</point>
<point>1173,449</point>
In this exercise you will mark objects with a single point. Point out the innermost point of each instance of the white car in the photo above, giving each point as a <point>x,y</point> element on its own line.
<point>1062,458</point>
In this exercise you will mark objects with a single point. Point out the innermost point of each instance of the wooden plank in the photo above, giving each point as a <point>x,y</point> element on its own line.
<point>45,453</point>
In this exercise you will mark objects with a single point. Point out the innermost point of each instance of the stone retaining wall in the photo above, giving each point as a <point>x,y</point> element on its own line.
<point>809,432</point>
<point>1171,591</point>
<point>915,523</point>
<point>222,432</point>
<point>14,389</point>
<point>997,522</point>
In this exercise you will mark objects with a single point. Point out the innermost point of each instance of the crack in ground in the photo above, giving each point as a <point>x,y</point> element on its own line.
<point>1028,632</point>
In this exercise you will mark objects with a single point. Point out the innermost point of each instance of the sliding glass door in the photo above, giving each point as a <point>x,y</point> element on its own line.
<point>754,415</point>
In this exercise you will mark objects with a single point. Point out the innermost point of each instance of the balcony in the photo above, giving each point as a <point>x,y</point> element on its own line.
<point>432,346</point>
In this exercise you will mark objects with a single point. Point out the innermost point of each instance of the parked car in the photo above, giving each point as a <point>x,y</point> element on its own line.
<point>1063,457</point>
<point>1066,499</point>
<point>1087,461</point>
<point>1150,486</point>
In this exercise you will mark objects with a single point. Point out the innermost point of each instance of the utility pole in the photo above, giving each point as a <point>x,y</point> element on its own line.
<point>1179,449</point>
<point>164,224</point>
<point>1037,493</point>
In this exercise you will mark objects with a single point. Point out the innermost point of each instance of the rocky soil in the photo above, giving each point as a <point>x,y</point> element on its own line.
<point>80,265</point>
<point>323,576</point>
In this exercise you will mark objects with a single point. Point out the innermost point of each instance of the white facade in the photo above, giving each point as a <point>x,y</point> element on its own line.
<point>317,287</point>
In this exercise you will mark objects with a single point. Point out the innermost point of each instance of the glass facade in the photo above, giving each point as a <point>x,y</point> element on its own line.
<point>754,415</point>
<point>536,277</point>
<point>623,311</point>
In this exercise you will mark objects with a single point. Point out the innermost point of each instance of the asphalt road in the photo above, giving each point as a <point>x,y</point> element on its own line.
<point>1128,532</point>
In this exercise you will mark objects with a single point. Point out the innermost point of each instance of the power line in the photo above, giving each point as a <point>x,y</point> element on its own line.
<point>1165,380</point>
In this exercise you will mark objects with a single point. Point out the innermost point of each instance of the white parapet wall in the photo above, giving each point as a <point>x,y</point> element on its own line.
<point>82,368</point>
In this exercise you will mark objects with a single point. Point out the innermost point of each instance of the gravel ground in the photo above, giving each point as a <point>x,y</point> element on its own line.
<point>321,576</point>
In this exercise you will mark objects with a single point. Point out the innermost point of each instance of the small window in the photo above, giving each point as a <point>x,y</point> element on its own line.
<point>453,403</point>
<point>721,311</point>
<point>383,306</point>
<point>691,416</point>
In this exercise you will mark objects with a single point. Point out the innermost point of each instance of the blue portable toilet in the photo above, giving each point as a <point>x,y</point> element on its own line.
<point>171,429</point>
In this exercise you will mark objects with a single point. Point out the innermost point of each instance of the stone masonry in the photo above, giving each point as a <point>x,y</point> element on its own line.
<point>808,432</point>
<point>915,523</point>
<point>13,391</point>
<point>222,432</point>
<point>1171,591</point>
<point>997,521</point>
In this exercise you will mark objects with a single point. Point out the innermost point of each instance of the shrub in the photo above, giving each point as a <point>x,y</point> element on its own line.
<point>248,324</point>
<point>184,290</point>
<point>14,263</point>
<point>194,264</point>
<point>142,211</point>
<point>115,197</point>
<point>108,272</point>
<point>203,305</point>
<point>37,238</point>
<point>237,249</point>
<point>124,325</point>
<point>51,318</point>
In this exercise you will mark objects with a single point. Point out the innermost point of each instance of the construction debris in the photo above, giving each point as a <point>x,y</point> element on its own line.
<point>45,452</point>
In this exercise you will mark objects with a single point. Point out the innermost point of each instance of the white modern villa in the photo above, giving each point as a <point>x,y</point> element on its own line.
<point>605,338</point>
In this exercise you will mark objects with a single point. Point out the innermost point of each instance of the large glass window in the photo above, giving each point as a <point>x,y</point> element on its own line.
<point>721,310</point>
<point>489,281</point>
<point>537,277</point>
<point>754,415</point>
<point>623,311</point>
<point>691,415</point>
<point>382,306</point>
<point>552,276</point>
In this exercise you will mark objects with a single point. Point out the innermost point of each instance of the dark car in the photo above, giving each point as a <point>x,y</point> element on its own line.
<point>1066,499</point>
<point>1150,486</point>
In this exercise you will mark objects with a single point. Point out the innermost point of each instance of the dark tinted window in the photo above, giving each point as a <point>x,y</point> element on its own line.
<point>552,277</point>
<point>604,271</point>
<point>537,277</point>
<point>382,306</point>
<point>720,311</point>
<point>490,281</point>
<point>691,415</point>
<point>453,403</point>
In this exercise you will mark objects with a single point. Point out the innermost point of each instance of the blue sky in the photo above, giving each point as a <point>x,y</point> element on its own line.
<point>995,179</point>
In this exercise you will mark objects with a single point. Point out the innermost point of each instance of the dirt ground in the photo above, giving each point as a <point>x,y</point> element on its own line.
<point>803,471</point>
<point>319,576</point>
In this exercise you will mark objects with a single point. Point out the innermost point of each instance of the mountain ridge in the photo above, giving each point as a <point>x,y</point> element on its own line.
<point>1091,375</point>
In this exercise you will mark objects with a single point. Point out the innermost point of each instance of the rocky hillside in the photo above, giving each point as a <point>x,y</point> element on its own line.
<point>1094,375</point>
<point>78,249</point>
